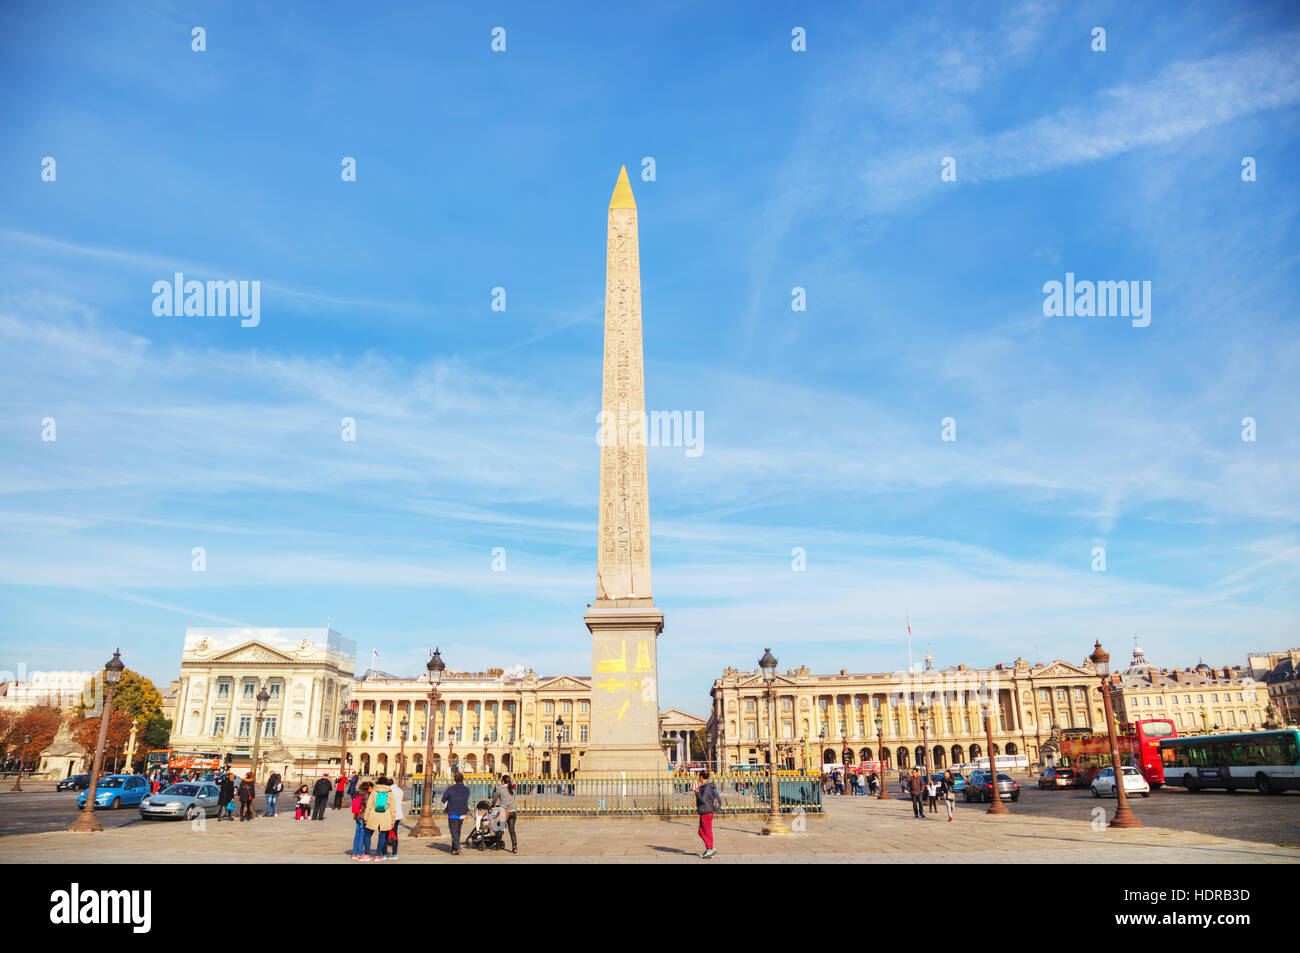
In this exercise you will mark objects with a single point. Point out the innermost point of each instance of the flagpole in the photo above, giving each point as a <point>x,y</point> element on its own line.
<point>909,645</point>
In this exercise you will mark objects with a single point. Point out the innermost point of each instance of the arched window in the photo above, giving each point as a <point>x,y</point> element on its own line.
<point>919,754</point>
<point>939,759</point>
<point>1011,748</point>
<point>848,756</point>
<point>884,757</point>
<point>996,752</point>
<point>904,760</point>
<point>865,755</point>
<point>976,752</point>
<point>828,756</point>
<point>957,754</point>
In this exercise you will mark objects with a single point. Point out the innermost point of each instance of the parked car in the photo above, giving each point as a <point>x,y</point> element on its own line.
<point>189,800</point>
<point>1054,778</point>
<point>979,787</point>
<point>1104,783</point>
<point>118,790</point>
<point>74,782</point>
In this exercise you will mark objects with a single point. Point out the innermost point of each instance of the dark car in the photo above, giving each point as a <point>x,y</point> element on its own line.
<point>1058,778</point>
<point>979,787</point>
<point>74,782</point>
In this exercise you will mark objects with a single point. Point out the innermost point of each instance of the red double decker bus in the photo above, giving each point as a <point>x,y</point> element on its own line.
<point>1088,751</point>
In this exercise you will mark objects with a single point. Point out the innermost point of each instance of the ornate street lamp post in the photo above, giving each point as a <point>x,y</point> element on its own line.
<point>426,826</point>
<point>347,718</point>
<point>995,802</point>
<point>263,697</point>
<point>880,757</point>
<point>401,750</point>
<point>1123,816</point>
<point>18,781</point>
<point>774,825</point>
<point>559,736</point>
<point>86,821</point>
<point>923,712</point>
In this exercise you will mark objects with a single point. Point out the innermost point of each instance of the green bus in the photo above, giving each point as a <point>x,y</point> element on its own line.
<point>1268,761</point>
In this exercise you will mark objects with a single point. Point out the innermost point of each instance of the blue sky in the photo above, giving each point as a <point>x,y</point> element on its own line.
<point>775,169</point>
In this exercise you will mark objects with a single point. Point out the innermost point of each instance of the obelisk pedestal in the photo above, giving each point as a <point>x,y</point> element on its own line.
<point>623,621</point>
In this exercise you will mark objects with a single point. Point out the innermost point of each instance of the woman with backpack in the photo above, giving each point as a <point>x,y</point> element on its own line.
<point>246,795</point>
<point>273,788</point>
<point>378,818</point>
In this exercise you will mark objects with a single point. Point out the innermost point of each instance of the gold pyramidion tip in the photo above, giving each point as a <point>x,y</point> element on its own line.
<point>622,197</point>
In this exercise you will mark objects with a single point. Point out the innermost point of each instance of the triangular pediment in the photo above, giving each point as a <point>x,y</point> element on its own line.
<point>1063,670</point>
<point>252,652</point>
<point>758,681</point>
<point>563,683</point>
<point>676,714</point>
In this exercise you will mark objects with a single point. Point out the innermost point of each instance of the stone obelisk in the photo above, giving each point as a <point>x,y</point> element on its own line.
<point>623,621</point>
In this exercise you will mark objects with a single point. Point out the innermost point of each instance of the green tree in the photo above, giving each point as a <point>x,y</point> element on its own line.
<point>158,732</point>
<point>134,694</point>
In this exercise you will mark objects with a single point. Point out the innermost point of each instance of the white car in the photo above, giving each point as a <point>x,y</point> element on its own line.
<point>1134,783</point>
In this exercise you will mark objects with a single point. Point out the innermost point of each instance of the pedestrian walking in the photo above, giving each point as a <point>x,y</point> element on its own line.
<point>246,794</point>
<point>707,801</point>
<point>916,788</point>
<point>949,792</point>
<point>456,797</point>
<point>378,818</point>
<point>226,798</point>
<point>505,799</point>
<point>273,787</point>
<point>321,796</point>
<point>359,851</point>
<point>932,794</point>
<point>338,791</point>
<point>352,784</point>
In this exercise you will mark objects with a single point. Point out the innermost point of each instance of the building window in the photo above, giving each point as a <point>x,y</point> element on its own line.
<point>751,731</point>
<point>751,704</point>
<point>548,708</point>
<point>582,734</point>
<point>566,733</point>
<point>250,690</point>
<point>1215,698</point>
<point>245,726</point>
<point>219,725</point>
<point>492,734</point>
<point>787,704</point>
<point>223,689</point>
<point>441,731</point>
<point>1060,694</point>
<point>274,690</point>
<point>583,707</point>
<point>460,733</point>
<point>566,708</point>
<point>1078,694</point>
<point>1043,695</point>
<point>473,737</point>
<point>548,734</point>
<point>787,729</point>
<point>269,723</point>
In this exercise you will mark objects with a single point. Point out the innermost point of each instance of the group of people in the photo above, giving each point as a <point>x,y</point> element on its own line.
<point>378,808</point>
<point>928,791</point>
<point>837,782</point>
<point>241,794</point>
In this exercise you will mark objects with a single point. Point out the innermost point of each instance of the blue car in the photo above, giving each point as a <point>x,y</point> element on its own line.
<point>958,782</point>
<point>118,790</point>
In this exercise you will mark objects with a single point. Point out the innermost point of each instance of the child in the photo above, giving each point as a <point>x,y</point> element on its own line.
<point>932,794</point>
<point>303,811</point>
<point>359,851</point>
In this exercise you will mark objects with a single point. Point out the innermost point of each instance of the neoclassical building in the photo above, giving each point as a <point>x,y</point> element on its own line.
<point>484,721</point>
<point>306,672</point>
<point>676,728</point>
<point>830,719</point>
<point>1197,700</point>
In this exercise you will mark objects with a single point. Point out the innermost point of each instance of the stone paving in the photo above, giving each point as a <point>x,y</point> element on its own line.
<point>855,830</point>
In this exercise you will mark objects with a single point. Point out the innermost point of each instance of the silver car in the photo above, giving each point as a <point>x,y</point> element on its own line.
<point>188,799</point>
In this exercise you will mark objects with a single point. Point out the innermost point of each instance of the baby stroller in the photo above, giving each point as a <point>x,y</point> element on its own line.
<point>481,834</point>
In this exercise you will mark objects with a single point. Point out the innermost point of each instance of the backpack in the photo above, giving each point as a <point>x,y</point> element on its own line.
<point>381,802</point>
